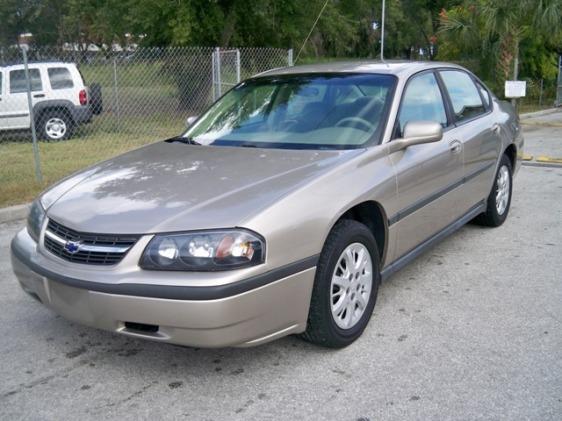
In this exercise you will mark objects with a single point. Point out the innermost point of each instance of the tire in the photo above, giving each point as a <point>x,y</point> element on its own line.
<point>495,214</point>
<point>55,126</point>
<point>324,327</point>
<point>96,101</point>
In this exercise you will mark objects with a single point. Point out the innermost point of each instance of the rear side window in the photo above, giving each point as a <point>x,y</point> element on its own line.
<point>464,95</point>
<point>422,101</point>
<point>485,95</point>
<point>18,83</point>
<point>60,78</point>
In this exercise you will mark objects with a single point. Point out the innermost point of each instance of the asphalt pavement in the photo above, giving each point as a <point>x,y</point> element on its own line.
<point>472,329</point>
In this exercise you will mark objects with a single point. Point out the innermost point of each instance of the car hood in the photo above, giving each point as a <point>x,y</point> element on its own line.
<point>173,186</point>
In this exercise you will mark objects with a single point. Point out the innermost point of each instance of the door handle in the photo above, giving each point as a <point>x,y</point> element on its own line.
<point>496,128</point>
<point>455,146</point>
<point>39,96</point>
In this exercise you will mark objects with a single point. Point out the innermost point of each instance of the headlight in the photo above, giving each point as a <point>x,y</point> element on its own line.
<point>204,251</point>
<point>35,219</point>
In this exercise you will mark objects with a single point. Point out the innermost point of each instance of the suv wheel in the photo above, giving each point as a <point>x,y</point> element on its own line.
<point>345,286</point>
<point>56,125</point>
<point>499,200</point>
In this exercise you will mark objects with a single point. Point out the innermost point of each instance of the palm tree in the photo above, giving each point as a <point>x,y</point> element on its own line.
<point>499,26</point>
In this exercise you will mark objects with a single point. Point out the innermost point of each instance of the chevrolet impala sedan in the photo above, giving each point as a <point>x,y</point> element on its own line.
<point>279,210</point>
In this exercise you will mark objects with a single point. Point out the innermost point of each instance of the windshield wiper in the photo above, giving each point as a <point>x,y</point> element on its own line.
<point>181,139</point>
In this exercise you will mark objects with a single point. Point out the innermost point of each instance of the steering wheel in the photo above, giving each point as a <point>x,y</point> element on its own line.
<point>367,126</point>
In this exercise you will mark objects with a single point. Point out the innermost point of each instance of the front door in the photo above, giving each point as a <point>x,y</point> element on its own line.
<point>428,175</point>
<point>15,108</point>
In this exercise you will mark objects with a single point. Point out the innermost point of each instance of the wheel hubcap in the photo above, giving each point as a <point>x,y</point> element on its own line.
<point>55,128</point>
<point>502,192</point>
<point>351,285</point>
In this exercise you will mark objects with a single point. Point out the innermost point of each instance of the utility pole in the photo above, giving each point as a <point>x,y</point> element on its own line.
<point>382,30</point>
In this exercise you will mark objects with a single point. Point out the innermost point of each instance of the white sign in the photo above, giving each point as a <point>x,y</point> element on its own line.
<point>515,88</point>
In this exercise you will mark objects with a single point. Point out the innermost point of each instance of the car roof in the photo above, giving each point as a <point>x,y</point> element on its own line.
<point>38,63</point>
<point>394,67</point>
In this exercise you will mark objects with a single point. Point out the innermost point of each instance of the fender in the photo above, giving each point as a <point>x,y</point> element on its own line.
<point>58,104</point>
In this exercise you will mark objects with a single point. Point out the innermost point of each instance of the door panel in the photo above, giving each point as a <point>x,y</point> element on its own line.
<point>481,148</point>
<point>428,175</point>
<point>428,178</point>
<point>15,105</point>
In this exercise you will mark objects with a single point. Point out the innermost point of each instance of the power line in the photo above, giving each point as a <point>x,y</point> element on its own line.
<point>311,29</point>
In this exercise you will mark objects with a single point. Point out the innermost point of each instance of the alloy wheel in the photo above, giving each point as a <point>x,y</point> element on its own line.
<point>351,285</point>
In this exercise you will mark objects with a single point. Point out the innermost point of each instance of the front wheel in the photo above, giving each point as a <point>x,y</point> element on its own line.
<point>345,286</point>
<point>499,200</point>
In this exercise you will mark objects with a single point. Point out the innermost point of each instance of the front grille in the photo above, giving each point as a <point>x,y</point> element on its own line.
<point>94,249</point>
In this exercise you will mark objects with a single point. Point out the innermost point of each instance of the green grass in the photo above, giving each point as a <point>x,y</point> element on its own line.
<point>92,143</point>
<point>534,106</point>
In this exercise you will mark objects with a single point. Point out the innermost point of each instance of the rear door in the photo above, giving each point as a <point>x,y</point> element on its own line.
<point>476,129</point>
<point>428,175</point>
<point>61,84</point>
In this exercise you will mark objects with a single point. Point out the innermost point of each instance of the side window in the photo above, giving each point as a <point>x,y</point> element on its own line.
<point>18,83</point>
<point>422,101</point>
<point>1,80</point>
<point>60,78</point>
<point>464,95</point>
<point>484,93</point>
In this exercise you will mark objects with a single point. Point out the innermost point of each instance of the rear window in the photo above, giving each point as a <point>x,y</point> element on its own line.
<point>60,78</point>
<point>18,83</point>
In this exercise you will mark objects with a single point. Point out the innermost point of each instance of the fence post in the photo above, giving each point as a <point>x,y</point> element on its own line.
<point>116,94</point>
<point>218,71</point>
<point>213,75</point>
<point>237,65</point>
<point>36,157</point>
<point>290,57</point>
<point>559,83</point>
<point>540,95</point>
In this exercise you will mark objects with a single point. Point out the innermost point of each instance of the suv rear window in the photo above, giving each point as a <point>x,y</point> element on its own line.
<point>60,78</point>
<point>18,83</point>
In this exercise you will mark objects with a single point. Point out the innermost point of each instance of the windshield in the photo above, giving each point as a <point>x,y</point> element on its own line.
<point>335,111</point>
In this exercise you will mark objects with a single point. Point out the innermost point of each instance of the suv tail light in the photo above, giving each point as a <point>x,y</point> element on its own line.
<point>83,97</point>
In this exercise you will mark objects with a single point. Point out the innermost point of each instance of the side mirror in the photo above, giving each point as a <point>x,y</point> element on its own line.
<point>416,133</point>
<point>190,120</point>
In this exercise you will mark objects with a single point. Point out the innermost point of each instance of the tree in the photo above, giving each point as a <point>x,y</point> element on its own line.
<point>498,28</point>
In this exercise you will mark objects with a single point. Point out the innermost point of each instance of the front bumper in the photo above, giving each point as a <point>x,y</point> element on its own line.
<point>272,309</point>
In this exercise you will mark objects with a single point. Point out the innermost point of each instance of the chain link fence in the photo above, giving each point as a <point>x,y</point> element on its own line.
<point>88,106</point>
<point>540,94</point>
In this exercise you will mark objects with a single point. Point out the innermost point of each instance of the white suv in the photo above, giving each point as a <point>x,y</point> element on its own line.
<point>61,101</point>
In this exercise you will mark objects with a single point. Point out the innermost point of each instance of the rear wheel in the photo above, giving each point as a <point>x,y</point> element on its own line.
<point>499,200</point>
<point>56,125</point>
<point>345,287</point>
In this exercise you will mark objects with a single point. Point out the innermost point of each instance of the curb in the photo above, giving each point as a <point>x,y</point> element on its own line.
<point>540,113</point>
<point>14,213</point>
